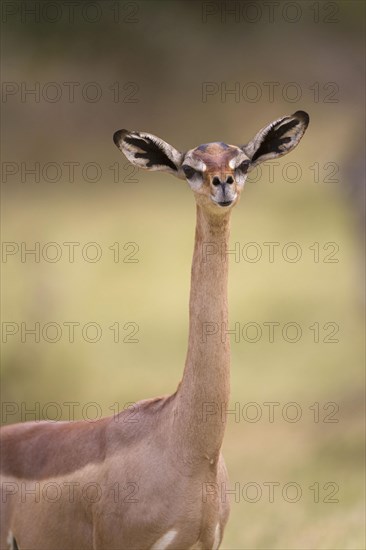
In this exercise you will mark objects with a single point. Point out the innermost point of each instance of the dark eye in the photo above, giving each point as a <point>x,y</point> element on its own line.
<point>243,167</point>
<point>189,172</point>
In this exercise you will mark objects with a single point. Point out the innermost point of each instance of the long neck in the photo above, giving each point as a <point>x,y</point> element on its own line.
<point>204,391</point>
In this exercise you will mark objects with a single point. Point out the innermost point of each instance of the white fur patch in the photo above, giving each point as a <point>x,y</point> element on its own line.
<point>195,183</point>
<point>217,538</point>
<point>10,540</point>
<point>198,164</point>
<point>165,540</point>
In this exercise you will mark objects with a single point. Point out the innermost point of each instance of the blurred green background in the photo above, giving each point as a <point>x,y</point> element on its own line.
<point>150,63</point>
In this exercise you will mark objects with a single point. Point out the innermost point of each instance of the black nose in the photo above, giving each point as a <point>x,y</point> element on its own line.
<point>216,180</point>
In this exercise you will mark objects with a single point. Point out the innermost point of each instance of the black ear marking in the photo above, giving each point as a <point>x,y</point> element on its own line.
<point>275,136</point>
<point>151,151</point>
<point>274,139</point>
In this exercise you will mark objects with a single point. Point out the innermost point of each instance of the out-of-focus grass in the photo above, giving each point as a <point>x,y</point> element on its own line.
<point>160,218</point>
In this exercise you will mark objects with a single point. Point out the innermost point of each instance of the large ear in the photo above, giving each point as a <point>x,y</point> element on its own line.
<point>277,139</point>
<point>149,152</point>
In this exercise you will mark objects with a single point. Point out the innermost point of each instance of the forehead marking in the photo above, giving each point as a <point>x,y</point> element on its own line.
<point>216,156</point>
<point>213,146</point>
<point>202,147</point>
